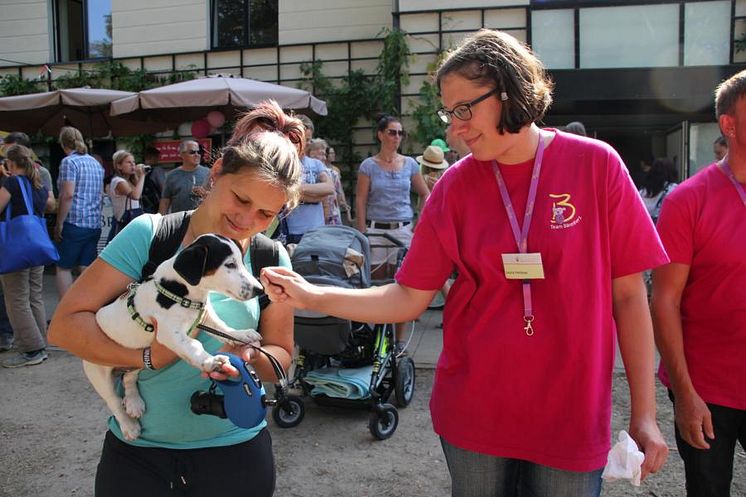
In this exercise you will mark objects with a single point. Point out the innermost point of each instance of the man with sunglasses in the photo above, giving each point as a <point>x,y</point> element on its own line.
<point>184,186</point>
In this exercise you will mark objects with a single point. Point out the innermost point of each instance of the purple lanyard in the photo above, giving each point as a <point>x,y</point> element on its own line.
<point>732,177</point>
<point>521,235</point>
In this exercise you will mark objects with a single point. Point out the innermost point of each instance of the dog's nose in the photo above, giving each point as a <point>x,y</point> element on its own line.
<point>251,289</point>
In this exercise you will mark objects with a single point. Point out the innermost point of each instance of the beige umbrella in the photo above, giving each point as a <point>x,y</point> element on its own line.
<point>85,108</point>
<point>191,100</point>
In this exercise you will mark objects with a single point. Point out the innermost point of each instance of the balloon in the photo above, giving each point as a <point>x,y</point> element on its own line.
<point>200,128</point>
<point>215,118</point>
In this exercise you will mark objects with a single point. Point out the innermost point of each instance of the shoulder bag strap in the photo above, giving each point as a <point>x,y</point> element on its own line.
<point>168,237</point>
<point>263,253</point>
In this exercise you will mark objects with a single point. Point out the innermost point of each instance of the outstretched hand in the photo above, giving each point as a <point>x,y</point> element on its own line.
<point>287,287</point>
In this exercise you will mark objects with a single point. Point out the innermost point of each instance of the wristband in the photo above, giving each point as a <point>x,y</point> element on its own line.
<point>146,360</point>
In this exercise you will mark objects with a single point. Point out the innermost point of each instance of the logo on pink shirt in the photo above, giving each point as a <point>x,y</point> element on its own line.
<point>564,214</point>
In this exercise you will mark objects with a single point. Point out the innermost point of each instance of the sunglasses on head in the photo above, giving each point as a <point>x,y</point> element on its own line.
<point>394,132</point>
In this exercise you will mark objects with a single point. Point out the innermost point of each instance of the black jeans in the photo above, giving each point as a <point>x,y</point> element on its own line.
<point>709,472</point>
<point>246,469</point>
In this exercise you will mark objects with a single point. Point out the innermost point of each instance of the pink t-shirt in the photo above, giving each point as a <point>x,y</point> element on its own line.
<point>703,224</point>
<point>544,398</point>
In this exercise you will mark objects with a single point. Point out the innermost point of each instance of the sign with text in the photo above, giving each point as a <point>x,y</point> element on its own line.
<point>169,150</point>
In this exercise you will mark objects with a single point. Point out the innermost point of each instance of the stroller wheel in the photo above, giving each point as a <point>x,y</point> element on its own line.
<point>404,381</point>
<point>289,412</point>
<point>383,421</point>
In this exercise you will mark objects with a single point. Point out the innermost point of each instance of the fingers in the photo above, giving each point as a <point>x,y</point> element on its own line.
<point>655,456</point>
<point>709,430</point>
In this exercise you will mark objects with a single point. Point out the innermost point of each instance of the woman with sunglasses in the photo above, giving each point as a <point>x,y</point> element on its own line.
<point>522,392</point>
<point>383,201</point>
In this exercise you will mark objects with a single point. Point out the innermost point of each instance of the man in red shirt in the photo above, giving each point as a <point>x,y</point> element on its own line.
<point>699,305</point>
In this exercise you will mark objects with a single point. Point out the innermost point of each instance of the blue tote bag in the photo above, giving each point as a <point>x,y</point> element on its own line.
<point>24,240</point>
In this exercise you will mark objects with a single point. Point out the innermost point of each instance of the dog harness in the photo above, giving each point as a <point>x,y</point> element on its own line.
<point>182,301</point>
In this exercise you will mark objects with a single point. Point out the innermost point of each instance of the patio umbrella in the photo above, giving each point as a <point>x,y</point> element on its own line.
<point>85,108</point>
<point>192,100</point>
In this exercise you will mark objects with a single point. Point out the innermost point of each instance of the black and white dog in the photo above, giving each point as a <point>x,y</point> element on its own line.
<point>174,301</point>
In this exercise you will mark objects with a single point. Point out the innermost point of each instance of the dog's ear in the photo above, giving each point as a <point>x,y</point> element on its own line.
<point>190,263</point>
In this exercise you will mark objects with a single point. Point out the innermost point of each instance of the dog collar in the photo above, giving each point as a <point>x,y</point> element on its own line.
<point>148,327</point>
<point>132,289</point>
<point>182,301</point>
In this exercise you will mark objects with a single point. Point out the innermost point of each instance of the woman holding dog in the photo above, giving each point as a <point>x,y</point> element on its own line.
<point>522,392</point>
<point>258,174</point>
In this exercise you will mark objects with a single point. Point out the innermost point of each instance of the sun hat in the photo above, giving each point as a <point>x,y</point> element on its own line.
<point>433,157</point>
<point>441,144</point>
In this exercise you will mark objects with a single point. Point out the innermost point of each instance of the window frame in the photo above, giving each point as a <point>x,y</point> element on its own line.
<point>245,43</point>
<point>84,29</point>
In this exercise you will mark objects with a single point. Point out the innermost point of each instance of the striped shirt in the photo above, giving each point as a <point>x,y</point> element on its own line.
<point>88,176</point>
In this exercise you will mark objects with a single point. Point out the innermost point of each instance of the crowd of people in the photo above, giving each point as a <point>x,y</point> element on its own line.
<point>548,235</point>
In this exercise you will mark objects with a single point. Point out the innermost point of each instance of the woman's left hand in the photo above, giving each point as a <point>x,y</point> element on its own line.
<point>651,443</point>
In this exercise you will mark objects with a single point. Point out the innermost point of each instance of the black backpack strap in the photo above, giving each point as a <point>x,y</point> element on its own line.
<point>263,253</point>
<point>168,237</point>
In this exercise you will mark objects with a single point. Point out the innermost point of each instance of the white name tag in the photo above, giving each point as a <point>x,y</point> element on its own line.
<point>523,266</point>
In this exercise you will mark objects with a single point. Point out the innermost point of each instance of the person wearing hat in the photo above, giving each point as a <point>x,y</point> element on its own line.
<point>450,154</point>
<point>432,164</point>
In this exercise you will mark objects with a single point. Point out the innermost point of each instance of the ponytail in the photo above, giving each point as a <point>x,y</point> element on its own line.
<point>72,139</point>
<point>22,157</point>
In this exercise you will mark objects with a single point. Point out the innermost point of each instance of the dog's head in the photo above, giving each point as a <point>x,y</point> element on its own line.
<point>215,263</point>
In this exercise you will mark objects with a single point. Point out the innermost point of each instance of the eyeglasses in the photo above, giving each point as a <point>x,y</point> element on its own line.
<point>463,111</point>
<point>191,152</point>
<point>394,132</point>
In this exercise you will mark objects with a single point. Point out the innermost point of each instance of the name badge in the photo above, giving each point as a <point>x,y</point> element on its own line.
<point>523,266</point>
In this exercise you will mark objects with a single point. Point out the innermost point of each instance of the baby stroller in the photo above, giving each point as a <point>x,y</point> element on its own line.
<point>340,362</point>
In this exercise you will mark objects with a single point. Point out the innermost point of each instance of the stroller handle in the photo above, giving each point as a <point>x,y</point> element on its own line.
<point>388,237</point>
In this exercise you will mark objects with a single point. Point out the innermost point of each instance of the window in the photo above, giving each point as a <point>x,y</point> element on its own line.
<point>83,29</point>
<point>244,23</point>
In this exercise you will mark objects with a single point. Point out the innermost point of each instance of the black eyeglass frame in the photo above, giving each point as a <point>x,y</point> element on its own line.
<point>191,152</point>
<point>445,114</point>
<point>394,132</point>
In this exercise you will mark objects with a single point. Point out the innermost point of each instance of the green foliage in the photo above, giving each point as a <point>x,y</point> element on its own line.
<point>740,43</point>
<point>12,84</point>
<point>428,125</point>
<point>392,71</point>
<point>136,144</point>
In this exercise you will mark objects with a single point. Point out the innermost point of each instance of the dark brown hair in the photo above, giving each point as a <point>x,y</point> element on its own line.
<point>496,59</point>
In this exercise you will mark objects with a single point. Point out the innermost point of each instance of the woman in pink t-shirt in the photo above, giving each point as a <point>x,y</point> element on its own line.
<point>522,392</point>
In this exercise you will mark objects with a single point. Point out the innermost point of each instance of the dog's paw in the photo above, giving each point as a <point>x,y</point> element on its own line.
<point>130,428</point>
<point>134,406</point>
<point>215,363</point>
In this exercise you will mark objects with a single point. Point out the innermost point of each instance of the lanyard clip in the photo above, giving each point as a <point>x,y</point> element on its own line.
<point>529,329</point>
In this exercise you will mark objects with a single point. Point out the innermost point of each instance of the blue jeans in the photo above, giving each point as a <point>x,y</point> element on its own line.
<point>480,475</point>
<point>709,472</point>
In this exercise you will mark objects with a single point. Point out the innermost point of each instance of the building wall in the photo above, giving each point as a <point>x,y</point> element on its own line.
<point>151,27</point>
<point>414,5</point>
<point>24,32</point>
<point>304,21</point>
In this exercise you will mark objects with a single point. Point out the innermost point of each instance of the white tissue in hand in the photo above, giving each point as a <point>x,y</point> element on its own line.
<point>625,461</point>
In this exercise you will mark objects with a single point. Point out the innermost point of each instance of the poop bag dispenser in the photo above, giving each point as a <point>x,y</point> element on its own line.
<point>243,399</point>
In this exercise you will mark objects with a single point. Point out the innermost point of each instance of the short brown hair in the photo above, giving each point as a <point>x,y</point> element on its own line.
<point>496,59</point>
<point>728,92</point>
